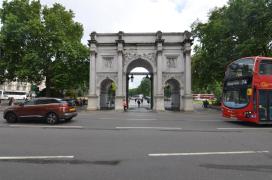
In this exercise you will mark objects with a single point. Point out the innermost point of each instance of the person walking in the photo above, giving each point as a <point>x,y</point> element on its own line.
<point>11,101</point>
<point>125,104</point>
<point>138,102</point>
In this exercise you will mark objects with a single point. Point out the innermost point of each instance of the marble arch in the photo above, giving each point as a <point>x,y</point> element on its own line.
<point>167,55</point>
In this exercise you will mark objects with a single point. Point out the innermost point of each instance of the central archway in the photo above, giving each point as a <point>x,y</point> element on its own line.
<point>140,63</point>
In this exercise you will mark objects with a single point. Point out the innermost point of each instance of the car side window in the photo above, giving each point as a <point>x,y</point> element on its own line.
<point>42,101</point>
<point>29,102</point>
<point>53,101</point>
<point>46,101</point>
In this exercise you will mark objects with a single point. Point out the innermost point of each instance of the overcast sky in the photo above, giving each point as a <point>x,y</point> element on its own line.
<point>137,15</point>
<point>108,16</point>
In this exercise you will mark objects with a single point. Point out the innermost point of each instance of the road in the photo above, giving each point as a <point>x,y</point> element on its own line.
<point>136,145</point>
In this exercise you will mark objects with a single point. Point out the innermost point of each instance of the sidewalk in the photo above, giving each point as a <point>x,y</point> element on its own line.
<point>2,108</point>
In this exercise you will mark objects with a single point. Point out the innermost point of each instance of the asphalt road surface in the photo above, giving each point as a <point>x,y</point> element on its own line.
<point>136,145</point>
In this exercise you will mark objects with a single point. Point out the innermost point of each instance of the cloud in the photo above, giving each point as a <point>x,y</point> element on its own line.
<point>137,16</point>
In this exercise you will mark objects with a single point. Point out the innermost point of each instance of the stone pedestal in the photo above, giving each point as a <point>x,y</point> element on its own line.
<point>159,103</point>
<point>188,103</point>
<point>92,103</point>
<point>119,103</point>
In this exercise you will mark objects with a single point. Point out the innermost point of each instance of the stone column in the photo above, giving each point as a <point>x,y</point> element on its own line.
<point>92,98</point>
<point>159,98</point>
<point>120,95</point>
<point>188,99</point>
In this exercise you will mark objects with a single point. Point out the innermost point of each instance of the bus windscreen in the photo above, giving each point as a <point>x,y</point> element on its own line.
<point>240,68</point>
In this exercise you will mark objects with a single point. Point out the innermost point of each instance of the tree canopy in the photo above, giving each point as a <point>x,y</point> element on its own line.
<point>144,88</point>
<point>239,29</point>
<point>42,43</point>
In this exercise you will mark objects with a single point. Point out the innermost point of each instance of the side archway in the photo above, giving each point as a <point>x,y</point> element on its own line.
<point>107,94</point>
<point>172,95</point>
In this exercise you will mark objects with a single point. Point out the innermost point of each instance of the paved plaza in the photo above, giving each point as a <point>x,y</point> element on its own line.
<point>138,144</point>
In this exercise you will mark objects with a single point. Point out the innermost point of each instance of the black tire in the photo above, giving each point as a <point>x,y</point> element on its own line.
<point>68,120</point>
<point>11,117</point>
<point>52,118</point>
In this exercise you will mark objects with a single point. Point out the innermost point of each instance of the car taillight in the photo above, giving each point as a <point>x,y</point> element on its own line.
<point>64,107</point>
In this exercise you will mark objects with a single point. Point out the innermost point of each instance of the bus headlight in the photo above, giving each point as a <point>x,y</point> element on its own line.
<point>249,114</point>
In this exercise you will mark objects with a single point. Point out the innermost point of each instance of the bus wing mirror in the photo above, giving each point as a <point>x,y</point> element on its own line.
<point>249,92</point>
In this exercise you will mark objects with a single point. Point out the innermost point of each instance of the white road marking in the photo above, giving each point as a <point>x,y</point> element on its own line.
<point>242,128</point>
<point>141,119</point>
<point>205,120</point>
<point>36,126</point>
<point>106,118</point>
<point>207,153</point>
<point>35,157</point>
<point>159,128</point>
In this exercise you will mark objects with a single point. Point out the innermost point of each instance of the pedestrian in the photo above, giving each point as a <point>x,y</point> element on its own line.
<point>125,104</point>
<point>205,104</point>
<point>138,102</point>
<point>11,101</point>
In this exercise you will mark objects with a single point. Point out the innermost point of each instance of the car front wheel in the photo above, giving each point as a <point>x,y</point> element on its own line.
<point>52,118</point>
<point>11,117</point>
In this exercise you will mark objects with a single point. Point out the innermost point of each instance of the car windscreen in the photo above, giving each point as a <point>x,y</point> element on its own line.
<point>71,102</point>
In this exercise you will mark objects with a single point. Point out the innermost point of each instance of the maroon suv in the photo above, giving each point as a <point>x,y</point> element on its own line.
<point>50,109</point>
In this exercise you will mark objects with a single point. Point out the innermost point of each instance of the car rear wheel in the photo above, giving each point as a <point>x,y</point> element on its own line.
<point>11,117</point>
<point>52,118</point>
<point>68,119</point>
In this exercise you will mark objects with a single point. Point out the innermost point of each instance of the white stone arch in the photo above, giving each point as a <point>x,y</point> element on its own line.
<point>144,63</point>
<point>176,76</point>
<point>139,62</point>
<point>157,52</point>
<point>106,101</point>
<point>107,78</point>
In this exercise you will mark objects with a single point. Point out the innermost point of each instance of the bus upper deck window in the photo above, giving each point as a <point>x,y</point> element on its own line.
<point>265,67</point>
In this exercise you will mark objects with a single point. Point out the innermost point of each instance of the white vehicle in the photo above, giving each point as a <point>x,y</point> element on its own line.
<point>2,95</point>
<point>14,94</point>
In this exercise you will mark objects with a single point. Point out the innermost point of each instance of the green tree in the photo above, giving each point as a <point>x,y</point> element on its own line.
<point>133,92</point>
<point>42,43</point>
<point>240,28</point>
<point>145,87</point>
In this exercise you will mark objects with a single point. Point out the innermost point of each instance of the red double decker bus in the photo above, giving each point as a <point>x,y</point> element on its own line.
<point>247,91</point>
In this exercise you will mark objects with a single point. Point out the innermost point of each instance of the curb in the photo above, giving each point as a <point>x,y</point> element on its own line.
<point>215,107</point>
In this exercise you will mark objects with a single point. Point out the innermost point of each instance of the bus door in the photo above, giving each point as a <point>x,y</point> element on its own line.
<point>265,105</point>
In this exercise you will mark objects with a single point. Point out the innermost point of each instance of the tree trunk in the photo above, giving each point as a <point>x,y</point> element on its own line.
<point>48,87</point>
